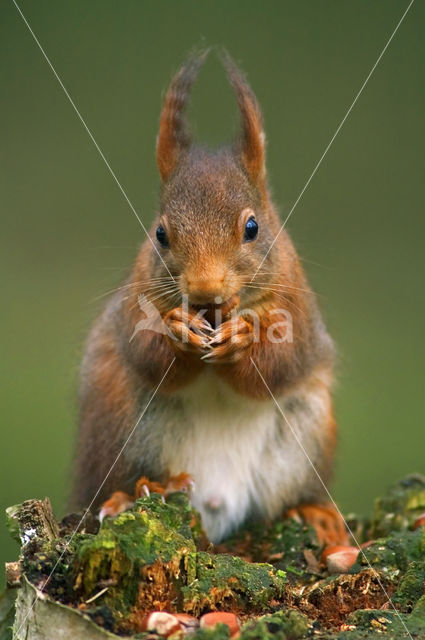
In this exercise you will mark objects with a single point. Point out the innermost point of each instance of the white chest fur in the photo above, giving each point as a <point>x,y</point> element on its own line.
<point>240,452</point>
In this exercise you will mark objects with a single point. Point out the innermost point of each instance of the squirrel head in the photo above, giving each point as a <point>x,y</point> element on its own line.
<point>215,223</point>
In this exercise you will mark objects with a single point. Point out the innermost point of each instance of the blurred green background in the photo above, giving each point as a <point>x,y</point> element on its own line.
<point>68,235</point>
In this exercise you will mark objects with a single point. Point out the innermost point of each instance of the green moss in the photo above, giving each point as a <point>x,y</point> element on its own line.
<point>393,555</point>
<point>224,581</point>
<point>387,624</point>
<point>154,534</point>
<point>149,559</point>
<point>398,509</point>
<point>220,632</point>
<point>419,608</point>
<point>411,587</point>
<point>282,625</point>
<point>285,542</point>
<point>153,557</point>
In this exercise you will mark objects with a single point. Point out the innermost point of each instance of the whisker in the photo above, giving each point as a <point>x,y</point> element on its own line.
<point>155,288</point>
<point>287,286</point>
<point>316,264</point>
<point>163,293</point>
<point>129,285</point>
<point>173,295</point>
<point>279,284</point>
<point>279,295</point>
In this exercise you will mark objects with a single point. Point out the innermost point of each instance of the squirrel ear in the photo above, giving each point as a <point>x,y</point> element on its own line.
<point>173,136</point>
<point>252,143</point>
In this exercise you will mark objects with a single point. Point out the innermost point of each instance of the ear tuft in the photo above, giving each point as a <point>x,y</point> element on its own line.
<point>173,137</point>
<point>253,140</point>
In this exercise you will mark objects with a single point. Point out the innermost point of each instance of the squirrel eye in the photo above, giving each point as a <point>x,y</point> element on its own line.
<point>251,230</point>
<point>161,236</point>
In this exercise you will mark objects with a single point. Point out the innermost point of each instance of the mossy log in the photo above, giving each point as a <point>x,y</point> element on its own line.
<point>103,581</point>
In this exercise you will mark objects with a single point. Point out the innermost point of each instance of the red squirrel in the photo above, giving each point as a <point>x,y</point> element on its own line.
<point>206,390</point>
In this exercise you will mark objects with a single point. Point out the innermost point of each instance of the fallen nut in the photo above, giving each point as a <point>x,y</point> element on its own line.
<point>216,617</point>
<point>327,551</point>
<point>419,522</point>
<point>341,561</point>
<point>163,623</point>
<point>187,621</point>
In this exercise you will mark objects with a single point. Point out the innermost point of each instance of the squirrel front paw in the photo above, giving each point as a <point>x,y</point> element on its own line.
<point>117,503</point>
<point>230,341</point>
<point>182,482</point>
<point>188,332</point>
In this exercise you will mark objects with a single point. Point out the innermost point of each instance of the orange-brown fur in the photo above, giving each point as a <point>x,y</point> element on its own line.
<point>206,199</point>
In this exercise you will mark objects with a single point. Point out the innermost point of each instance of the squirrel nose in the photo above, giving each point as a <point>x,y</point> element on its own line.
<point>204,287</point>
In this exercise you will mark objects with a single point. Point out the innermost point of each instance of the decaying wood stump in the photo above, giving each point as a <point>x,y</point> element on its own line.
<point>76,579</point>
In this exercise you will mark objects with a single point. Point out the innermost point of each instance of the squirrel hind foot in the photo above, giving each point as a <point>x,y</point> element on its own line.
<point>325,519</point>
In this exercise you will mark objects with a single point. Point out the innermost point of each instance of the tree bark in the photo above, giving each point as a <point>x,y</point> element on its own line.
<point>39,618</point>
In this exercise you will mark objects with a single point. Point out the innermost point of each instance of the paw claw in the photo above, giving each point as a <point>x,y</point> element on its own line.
<point>181,482</point>
<point>117,503</point>
<point>187,332</point>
